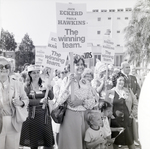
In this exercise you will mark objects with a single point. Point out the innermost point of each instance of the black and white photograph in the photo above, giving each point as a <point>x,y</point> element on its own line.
<point>74,74</point>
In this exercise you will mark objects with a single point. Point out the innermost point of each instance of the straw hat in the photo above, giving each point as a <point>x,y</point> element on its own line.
<point>33,68</point>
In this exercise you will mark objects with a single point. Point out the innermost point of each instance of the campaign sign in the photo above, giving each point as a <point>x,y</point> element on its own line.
<point>52,42</point>
<point>108,51</point>
<point>54,59</point>
<point>39,56</point>
<point>71,27</point>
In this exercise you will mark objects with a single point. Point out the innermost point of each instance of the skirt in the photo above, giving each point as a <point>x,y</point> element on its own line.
<point>36,133</point>
<point>72,131</point>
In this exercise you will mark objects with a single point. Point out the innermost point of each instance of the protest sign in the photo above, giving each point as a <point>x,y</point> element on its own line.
<point>39,55</point>
<point>52,42</point>
<point>71,27</point>
<point>108,51</point>
<point>54,59</point>
<point>86,55</point>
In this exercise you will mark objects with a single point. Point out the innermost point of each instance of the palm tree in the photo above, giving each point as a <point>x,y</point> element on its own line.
<point>137,33</point>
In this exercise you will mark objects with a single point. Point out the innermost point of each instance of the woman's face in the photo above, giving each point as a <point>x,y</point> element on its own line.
<point>120,82</point>
<point>89,77</point>
<point>79,67</point>
<point>35,74</point>
<point>4,68</point>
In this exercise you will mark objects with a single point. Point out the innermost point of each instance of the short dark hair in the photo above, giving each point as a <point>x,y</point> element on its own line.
<point>115,77</point>
<point>77,59</point>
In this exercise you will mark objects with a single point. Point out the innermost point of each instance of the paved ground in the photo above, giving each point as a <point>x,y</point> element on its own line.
<point>123,147</point>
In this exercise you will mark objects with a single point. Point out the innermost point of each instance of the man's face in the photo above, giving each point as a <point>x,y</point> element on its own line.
<point>126,69</point>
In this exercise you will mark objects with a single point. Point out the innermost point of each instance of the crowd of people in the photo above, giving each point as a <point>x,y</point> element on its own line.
<point>100,113</point>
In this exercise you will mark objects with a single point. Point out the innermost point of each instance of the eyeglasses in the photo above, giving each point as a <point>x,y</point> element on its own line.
<point>7,66</point>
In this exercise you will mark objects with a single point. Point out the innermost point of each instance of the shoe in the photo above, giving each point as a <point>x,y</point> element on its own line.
<point>135,143</point>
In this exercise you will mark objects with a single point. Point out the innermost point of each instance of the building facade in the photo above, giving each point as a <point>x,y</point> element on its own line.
<point>110,23</point>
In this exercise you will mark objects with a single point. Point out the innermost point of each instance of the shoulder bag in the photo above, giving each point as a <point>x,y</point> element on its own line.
<point>58,113</point>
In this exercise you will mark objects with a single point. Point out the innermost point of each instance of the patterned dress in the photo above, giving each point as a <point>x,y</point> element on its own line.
<point>37,129</point>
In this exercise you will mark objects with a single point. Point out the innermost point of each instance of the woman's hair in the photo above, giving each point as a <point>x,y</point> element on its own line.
<point>2,58</point>
<point>87,71</point>
<point>90,116</point>
<point>39,82</point>
<point>104,105</point>
<point>77,60</point>
<point>115,77</point>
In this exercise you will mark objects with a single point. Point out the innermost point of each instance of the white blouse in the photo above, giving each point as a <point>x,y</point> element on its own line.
<point>83,91</point>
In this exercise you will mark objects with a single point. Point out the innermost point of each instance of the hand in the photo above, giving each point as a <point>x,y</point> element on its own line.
<point>119,113</point>
<point>112,140</point>
<point>17,102</point>
<point>70,78</point>
<point>119,129</point>
<point>75,102</point>
<point>43,100</point>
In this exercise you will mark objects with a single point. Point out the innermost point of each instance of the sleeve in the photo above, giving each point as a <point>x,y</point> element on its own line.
<point>63,94</point>
<point>138,90</point>
<point>134,105</point>
<point>87,137</point>
<point>56,90</point>
<point>22,94</point>
<point>107,130</point>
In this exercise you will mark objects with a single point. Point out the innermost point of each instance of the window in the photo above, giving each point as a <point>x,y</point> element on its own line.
<point>98,45</point>
<point>128,9</point>
<point>95,10</point>
<point>99,19</point>
<point>126,18</point>
<point>118,31</point>
<point>96,57</point>
<point>98,32</point>
<point>120,10</point>
<point>117,61</point>
<point>112,10</point>
<point>121,59</point>
<point>109,18</point>
<point>103,10</point>
<point>118,45</point>
<point>118,18</point>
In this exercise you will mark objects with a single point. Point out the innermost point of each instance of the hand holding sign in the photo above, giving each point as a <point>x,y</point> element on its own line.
<point>120,132</point>
<point>49,86</point>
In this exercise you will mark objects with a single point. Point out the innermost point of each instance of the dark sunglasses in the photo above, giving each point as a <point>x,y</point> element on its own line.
<point>7,66</point>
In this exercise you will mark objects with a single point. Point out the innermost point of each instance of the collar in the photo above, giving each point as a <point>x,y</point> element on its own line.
<point>125,74</point>
<point>5,84</point>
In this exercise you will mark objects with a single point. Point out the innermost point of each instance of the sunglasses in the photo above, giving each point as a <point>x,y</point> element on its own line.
<point>7,66</point>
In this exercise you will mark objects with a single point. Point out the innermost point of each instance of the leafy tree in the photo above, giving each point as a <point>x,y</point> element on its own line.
<point>26,53</point>
<point>137,33</point>
<point>7,41</point>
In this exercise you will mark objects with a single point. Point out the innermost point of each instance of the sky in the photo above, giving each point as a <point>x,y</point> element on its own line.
<point>38,17</point>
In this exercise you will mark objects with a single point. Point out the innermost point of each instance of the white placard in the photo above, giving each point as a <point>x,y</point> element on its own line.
<point>39,56</point>
<point>52,42</point>
<point>108,51</point>
<point>55,59</point>
<point>71,27</point>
